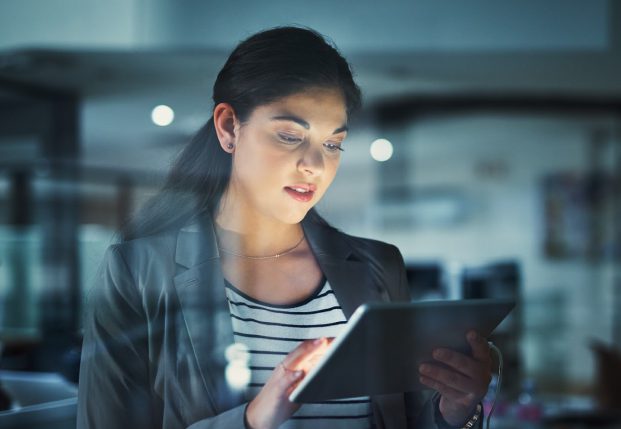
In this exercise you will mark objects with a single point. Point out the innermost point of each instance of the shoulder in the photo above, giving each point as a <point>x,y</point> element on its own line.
<point>141,259</point>
<point>382,261</point>
<point>372,248</point>
<point>144,248</point>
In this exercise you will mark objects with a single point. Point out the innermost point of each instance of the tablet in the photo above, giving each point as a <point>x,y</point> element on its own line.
<point>383,344</point>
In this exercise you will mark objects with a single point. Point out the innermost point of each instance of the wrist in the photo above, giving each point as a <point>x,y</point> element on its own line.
<point>474,417</point>
<point>445,420</point>
<point>249,422</point>
<point>250,418</point>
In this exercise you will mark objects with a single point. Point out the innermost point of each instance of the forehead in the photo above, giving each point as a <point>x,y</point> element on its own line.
<point>318,107</point>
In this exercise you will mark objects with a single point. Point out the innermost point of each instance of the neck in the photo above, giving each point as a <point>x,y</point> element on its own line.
<point>242,231</point>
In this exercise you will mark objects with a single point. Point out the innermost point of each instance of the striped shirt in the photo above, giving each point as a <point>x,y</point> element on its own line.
<point>270,332</point>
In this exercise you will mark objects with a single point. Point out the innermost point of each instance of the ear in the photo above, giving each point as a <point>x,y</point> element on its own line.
<point>226,125</point>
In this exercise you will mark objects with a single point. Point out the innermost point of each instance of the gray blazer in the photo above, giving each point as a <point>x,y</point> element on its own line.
<point>158,324</point>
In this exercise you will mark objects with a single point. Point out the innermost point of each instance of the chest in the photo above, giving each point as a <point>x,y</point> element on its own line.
<point>278,281</point>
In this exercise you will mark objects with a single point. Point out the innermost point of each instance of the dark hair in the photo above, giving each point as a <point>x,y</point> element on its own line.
<point>263,68</point>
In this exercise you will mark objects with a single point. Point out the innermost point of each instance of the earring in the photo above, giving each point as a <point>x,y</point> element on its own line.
<point>230,146</point>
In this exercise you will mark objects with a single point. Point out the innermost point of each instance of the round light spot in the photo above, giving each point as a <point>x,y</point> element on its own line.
<point>381,150</point>
<point>237,375</point>
<point>237,352</point>
<point>162,115</point>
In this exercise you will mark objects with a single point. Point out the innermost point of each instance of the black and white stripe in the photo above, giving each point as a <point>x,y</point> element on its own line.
<point>270,332</point>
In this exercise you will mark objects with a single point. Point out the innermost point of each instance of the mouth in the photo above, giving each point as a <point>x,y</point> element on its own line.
<point>303,193</point>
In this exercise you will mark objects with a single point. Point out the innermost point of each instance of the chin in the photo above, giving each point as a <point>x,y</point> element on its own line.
<point>293,217</point>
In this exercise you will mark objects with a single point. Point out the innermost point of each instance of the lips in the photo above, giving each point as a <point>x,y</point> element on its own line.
<point>301,192</point>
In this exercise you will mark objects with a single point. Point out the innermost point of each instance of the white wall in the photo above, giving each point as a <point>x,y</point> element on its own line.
<point>68,24</point>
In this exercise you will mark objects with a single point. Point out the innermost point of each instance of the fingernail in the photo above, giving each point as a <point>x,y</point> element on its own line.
<point>438,354</point>
<point>318,341</point>
<point>472,335</point>
<point>424,369</point>
<point>298,374</point>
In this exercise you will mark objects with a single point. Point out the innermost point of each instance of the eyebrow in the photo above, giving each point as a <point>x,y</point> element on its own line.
<point>303,123</point>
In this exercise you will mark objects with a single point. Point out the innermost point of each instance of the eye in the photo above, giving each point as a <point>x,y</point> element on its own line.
<point>289,139</point>
<point>333,147</point>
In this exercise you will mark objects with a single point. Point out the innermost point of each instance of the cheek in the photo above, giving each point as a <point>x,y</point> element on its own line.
<point>332,167</point>
<point>257,167</point>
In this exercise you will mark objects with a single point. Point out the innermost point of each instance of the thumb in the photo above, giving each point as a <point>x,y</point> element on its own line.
<point>290,376</point>
<point>479,346</point>
<point>290,382</point>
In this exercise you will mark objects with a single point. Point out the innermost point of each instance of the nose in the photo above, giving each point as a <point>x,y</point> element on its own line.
<point>311,161</point>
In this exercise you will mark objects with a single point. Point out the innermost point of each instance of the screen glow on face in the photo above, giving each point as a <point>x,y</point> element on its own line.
<point>286,156</point>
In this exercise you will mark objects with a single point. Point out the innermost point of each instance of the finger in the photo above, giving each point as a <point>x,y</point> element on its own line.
<point>300,358</point>
<point>479,346</point>
<point>303,349</point>
<point>448,377</point>
<point>458,361</point>
<point>446,391</point>
<point>313,360</point>
<point>309,360</point>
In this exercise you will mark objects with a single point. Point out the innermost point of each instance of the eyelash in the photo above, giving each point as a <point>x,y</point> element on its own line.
<point>290,140</point>
<point>332,147</point>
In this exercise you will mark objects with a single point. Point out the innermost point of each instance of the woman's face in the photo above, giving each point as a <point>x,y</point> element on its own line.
<point>287,154</point>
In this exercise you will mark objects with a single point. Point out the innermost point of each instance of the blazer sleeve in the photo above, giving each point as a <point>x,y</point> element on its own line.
<point>114,388</point>
<point>115,385</point>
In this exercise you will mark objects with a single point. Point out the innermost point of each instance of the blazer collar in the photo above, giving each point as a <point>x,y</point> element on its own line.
<point>196,242</point>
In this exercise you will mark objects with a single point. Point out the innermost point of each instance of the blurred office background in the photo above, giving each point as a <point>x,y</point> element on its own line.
<point>488,151</point>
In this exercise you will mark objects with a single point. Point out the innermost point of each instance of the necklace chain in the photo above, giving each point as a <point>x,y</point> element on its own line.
<point>278,255</point>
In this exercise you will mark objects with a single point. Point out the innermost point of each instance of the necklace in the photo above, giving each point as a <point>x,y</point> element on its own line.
<point>278,255</point>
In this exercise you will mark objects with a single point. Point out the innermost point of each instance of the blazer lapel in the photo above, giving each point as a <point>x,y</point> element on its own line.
<point>354,284</point>
<point>348,276</point>
<point>200,288</point>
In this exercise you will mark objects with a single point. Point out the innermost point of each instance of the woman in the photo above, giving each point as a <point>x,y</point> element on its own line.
<point>232,251</point>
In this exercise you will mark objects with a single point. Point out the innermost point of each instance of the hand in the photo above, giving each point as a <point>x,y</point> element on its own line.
<point>271,407</point>
<point>462,381</point>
